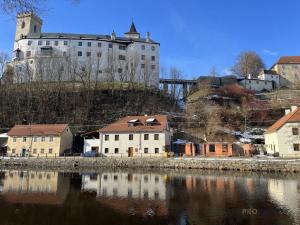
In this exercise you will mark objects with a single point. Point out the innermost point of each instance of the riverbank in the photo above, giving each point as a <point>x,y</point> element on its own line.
<point>235,164</point>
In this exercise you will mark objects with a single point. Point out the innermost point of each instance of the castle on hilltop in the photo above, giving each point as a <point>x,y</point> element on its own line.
<point>45,57</point>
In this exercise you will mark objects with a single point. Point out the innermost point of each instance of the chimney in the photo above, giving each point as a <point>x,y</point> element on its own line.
<point>113,35</point>
<point>294,107</point>
<point>148,37</point>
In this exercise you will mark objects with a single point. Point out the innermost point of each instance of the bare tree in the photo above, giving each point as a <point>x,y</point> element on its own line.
<point>3,61</point>
<point>248,63</point>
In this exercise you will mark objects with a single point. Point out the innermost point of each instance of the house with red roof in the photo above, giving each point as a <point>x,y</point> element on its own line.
<point>283,137</point>
<point>131,136</point>
<point>42,140</point>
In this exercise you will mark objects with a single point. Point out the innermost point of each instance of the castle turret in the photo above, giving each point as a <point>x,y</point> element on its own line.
<point>28,24</point>
<point>132,33</point>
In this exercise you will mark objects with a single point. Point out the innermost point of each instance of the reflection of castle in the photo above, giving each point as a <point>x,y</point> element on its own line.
<point>34,187</point>
<point>129,192</point>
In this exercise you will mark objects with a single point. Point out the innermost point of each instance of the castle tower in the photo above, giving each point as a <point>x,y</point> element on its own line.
<point>28,24</point>
<point>132,33</point>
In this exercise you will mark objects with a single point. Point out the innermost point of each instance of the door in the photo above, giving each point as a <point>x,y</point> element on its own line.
<point>130,152</point>
<point>23,152</point>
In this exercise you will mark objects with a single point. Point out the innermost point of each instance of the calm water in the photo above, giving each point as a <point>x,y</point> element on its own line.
<point>131,197</point>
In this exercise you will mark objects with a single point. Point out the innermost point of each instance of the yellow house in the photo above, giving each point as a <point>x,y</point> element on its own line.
<point>39,140</point>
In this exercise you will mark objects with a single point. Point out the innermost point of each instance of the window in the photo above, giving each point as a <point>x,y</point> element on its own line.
<point>40,42</point>
<point>43,138</point>
<point>146,179</point>
<point>28,53</point>
<point>65,43</point>
<point>79,53</point>
<point>153,58</point>
<point>34,151</point>
<point>146,150</point>
<point>130,137</point>
<point>106,137</point>
<point>110,45</point>
<point>79,43</point>
<point>24,139</point>
<point>29,43</point>
<point>64,54</point>
<point>13,151</point>
<point>143,57</point>
<point>14,139</point>
<point>56,43</point>
<point>88,54</point>
<point>143,66</point>
<point>122,57</point>
<point>156,150</point>
<point>116,137</point>
<point>47,43</point>
<point>296,147</point>
<point>35,139</point>
<point>105,177</point>
<point>146,136</point>
<point>224,147</point>
<point>129,193</point>
<point>143,47</point>
<point>122,47</point>
<point>120,70</point>
<point>156,179</point>
<point>212,148</point>
<point>295,131</point>
<point>42,151</point>
<point>50,150</point>
<point>23,25</point>
<point>46,51</point>
<point>99,44</point>
<point>156,195</point>
<point>153,67</point>
<point>156,137</point>
<point>51,138</point>
<point>153,48</point>
<point>89,44</point>
<point>98,54</point>
<point>116,150</point>
<point>106,150</point>
<point>34,29</point>
<point>83,69</point>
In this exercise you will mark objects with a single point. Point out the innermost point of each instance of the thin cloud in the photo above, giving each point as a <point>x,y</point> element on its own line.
<point>269,52</point>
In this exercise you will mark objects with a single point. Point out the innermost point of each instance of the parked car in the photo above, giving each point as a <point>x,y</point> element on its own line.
<point>90,154</point>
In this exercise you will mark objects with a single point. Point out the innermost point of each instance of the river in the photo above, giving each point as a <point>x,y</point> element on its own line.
<point>148,197</point>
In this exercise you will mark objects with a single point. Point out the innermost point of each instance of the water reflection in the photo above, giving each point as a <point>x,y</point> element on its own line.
<point>132,197</point>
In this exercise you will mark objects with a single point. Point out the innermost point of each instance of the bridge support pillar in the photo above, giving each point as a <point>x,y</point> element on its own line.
<point>184,90</point>
<point>166,87</point>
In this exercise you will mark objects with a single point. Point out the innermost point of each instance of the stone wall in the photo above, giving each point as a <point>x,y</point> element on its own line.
<point>237,164</point>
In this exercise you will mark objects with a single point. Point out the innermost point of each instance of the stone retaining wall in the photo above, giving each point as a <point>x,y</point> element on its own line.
<point>237,164</point>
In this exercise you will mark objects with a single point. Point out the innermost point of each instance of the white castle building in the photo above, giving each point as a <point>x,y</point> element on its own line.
<point>41,56</point>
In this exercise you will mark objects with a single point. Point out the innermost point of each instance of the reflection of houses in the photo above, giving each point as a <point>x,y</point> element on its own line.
<point>39,140</point>
<point>3,143</point>
<point>35,187</point>
<point>129,192</point>
<point>131,136</point>
<point>283,137</point>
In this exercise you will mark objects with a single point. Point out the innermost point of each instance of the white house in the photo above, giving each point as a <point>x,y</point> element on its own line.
<point>270,75</point>
<point>131,136</point>
<point>283,137</point>
<point>256,84</point>
<point>42,56</point>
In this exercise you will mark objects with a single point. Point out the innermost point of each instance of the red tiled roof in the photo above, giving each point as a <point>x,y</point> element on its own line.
<point>289,60</point>
<point>37,129</point>
<point>122,124</point>
<point>291,117</point>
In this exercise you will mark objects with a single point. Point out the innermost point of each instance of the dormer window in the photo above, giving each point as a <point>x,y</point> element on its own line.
<point>151,121</point>
<point>133,122</point>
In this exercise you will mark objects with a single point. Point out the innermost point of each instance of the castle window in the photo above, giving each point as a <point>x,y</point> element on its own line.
<point>98,54</point>
<point>47,43</point>
<point>56,43</point>
<point>122,47</point>
<point>153,67</point>
<point>143,57</point>
<point>28,53</point>
<point>110,45</point>
<point>99,44</point>
<point>65,43</point>
<point>120,70</point>
<point>88,54</point>
<point>79,53</point>
<point>80,43</point>
<point>34,29</point>
<point>143,47</point>
<point>121,57</point>
<point>23,25</point>
<point>29,43</point>
<point>153,58</point>
<point>89,44</point>
<point>153,48</point>
<point>40,43</point>
<point>143,66</point>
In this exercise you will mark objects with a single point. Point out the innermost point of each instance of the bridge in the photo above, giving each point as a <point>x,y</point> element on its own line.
<point>187,85</point>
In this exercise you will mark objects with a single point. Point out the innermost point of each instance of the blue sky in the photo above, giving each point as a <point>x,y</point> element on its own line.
<point>195,35</point>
